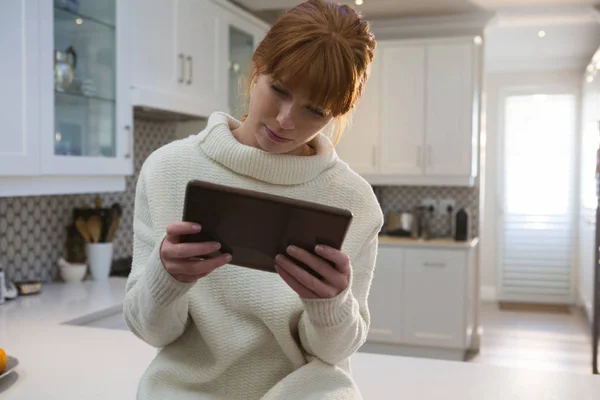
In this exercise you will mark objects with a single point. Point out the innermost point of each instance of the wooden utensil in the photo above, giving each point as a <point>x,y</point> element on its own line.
<point>82,229</point>
<point>113,228</point>
<point>94,226</point>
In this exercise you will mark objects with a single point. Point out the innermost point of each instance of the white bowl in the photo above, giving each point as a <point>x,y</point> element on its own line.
<point>73,272</point>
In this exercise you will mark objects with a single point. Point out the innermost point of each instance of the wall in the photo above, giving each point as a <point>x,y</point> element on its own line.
<point>33,229</point>
<point>495,84</point>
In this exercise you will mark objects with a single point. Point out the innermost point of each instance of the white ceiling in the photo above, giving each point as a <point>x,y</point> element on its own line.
<point>374,9</point>
<point>572,26</point>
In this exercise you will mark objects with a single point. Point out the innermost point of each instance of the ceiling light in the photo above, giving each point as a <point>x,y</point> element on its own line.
<point>541,34</point>
<point>79,21</point>
<point>478,40</point>
<point>590,79</point>
<point>358,2</point>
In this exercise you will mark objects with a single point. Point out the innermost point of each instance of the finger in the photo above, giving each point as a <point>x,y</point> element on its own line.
<point>322,267</point>
<point>305,278</point>
<point>197,268</point>
<point>340,259</point>
<point>294,284</point>
<point>187,250</point>
<point>176,229</point>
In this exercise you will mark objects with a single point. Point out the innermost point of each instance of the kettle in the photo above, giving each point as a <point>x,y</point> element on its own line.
<point>65,63</point>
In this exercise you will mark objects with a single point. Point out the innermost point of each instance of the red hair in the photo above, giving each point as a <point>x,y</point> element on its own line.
<point>322,47</point>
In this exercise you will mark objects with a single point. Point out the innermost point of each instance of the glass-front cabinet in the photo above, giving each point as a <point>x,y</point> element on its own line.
<point>243,37</point>
<point>86,117</point>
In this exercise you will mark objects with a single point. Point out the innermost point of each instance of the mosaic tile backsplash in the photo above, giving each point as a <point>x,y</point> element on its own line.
<point>405,198</point>
<point>33,230</point>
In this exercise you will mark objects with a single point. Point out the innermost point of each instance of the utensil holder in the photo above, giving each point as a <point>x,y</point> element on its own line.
<point>99,257</point>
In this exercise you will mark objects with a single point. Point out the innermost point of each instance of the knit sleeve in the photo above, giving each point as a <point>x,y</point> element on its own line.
<point>156,304</point>
<point>333,329</point>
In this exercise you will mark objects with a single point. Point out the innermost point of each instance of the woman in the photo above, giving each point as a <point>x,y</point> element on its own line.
<point>227,332</point>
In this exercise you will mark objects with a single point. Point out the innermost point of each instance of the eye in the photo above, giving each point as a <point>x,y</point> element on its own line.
<point>278,89</point>
<point>316,112</point>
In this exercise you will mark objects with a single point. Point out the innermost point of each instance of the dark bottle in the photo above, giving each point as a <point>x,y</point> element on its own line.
<point>462,226</point>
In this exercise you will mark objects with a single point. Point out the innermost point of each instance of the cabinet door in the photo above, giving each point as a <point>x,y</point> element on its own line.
<point>402,105</point>
<point>157,67</point>
<point>197,27</point>
<point>19,139</point>
<point>359,145</point>
<point>385,297</point>
<point>450,100</point>
<point>433,299</point>
<point>86,114</point>
<point>241,34</point>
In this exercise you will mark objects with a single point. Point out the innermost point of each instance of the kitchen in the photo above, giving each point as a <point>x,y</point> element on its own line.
<point>144,86</point>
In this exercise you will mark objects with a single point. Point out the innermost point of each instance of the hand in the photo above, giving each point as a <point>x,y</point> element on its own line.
<point>335,278</point>
<point>176,256</point>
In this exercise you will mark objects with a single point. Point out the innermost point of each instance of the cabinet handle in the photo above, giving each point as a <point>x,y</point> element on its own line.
<point>438,265</point>
<point>419,156</point>
<point>128,130</point>
<point>191,62</point>
<point>181,67</point>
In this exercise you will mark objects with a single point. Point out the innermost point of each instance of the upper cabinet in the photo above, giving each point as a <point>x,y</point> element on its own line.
<point>76,69</point>
<point>425,127</point>
<point>185,51</point>
<point>67,111</point>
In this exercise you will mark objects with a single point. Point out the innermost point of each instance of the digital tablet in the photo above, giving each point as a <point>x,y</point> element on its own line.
<point>254,227</point>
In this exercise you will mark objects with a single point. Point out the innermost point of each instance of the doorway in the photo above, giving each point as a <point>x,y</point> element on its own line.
<point>537,213</point>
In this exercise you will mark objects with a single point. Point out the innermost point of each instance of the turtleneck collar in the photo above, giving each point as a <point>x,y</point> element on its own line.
<point>219,143</point>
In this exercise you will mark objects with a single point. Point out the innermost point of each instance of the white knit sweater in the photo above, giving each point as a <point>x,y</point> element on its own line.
<point>240,333</point>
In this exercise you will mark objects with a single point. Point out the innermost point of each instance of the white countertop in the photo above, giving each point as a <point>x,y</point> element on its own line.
<point>65,362</point>
<point>445,243</point>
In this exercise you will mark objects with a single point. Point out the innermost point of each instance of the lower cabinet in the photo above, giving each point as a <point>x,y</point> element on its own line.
<point>423,298</point>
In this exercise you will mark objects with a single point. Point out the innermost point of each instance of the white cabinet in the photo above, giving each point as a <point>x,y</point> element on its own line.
<point>19,152</point>
<point>451,133</point>
<point>386,296</point>
<point>175,61</point>
<point>359,145</point>
<point>403,109</point>
<point>423,114</point>
<point>422,300</point>
<point>433,297</point>
<point>67,116</point>
<point>180,59</point>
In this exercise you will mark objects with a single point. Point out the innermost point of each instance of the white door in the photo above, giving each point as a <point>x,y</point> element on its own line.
<point>359,145</point>
<point>19,97</point>
<point>537,224</point>
<point>403,109</point>
<point>449,117</point>
<point>157,67</point>
<point>385,297</point>
<point>197,27</point>
<point>434,297</point>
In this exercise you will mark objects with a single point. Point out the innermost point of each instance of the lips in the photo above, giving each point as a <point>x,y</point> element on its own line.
<point>274,137</point>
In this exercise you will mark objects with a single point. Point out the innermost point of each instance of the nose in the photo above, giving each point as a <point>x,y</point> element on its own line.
<point>284,117</point>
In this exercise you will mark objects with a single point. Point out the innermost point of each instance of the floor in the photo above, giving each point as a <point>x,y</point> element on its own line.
<point>540,340</point>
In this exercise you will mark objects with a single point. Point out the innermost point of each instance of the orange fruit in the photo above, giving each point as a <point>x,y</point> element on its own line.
<point>3,360</point>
